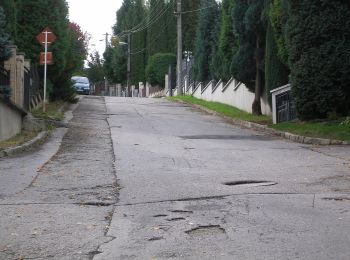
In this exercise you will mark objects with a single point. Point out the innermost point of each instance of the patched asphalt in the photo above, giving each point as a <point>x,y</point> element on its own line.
<point>61,197</point>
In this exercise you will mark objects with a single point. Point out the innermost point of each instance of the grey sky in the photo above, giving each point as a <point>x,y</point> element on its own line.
<point>96,17</point>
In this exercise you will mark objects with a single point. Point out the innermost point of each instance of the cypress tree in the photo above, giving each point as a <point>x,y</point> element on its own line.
<point>138,45</point>
<point>190,23</point>
<point>276,73</point>
<point>203,53</point>
<point>318,42</point>
<point>217,64</point>
<point>248,62</point>
<point>161,35</point>
<point>228,44</point>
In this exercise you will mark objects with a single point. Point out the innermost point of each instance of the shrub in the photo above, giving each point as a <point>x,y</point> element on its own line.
<point>158,66</point>
<point>318,42</point>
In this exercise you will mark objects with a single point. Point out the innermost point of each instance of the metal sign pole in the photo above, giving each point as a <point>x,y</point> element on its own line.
<point>45,71</point>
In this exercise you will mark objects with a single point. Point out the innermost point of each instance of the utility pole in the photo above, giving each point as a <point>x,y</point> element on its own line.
<point>128,79</point>
<point>106,39</point>
<point>179,48</point>
<point>106,80</point>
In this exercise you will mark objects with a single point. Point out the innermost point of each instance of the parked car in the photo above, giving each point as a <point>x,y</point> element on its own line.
<point>81,85</point>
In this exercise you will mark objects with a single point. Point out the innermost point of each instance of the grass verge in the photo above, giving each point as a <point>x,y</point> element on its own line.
<point>224,109</point>
<point>328,130</point>
<point>54,110</point>
<point>19,139</point>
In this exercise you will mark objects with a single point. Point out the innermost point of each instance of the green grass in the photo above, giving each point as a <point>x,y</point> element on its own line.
<point>224,109</point>
<point>52,111</point>
<point>329,130</point>
<point>19,139</point>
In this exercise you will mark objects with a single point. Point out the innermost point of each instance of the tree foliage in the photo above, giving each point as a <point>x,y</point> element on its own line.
<point>28,18</point>
<point>276,72</point>
<point>157,67</point>
<point>248,61</point>
<point>228,43</point>
<point>161,36</point>
<point>318,43</point>
<point>190,23</point>
<point>5,51</point>
<point>203,51</point>
<point>95,71</point>
<point>278,13</point>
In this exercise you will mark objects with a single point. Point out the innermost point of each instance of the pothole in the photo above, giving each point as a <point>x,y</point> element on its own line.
<point>154,238</point>
<point>160,215</point>
<point>181,211</point>
<point>207,231</point>
<point>251,183</point>
<point>338,199</point>
<point>97,204</point>
<point>175,219</point>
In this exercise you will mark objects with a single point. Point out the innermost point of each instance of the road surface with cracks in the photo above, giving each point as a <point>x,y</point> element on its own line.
<point>195,187</point>
<point>57,202</point>
<point>191,187</point>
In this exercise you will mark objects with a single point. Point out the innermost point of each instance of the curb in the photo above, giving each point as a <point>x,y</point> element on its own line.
<point>286,135</point>
<point>41,137</point>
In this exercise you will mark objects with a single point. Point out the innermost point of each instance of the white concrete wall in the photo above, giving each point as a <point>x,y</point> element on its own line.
<point>232,93</point>
<point>10,121</point>
<point>206,94</point>
<point>197,92</point>
<point>217,94</point>
<point>227,93</point>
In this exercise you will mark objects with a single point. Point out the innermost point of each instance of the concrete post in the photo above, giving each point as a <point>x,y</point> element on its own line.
<point>11,65</point>
<point>147,89</point>
<point>20,80</point>
<point>166,84</point>
<point>119,90</point>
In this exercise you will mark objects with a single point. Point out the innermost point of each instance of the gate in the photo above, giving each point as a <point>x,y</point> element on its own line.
<point>285,107</point>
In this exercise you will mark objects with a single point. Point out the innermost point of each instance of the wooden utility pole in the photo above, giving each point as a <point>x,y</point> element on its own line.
<point>128,78</point>
<point>179,48</point>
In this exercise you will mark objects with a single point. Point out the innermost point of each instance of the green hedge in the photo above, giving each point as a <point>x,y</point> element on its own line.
<point>158,66</point>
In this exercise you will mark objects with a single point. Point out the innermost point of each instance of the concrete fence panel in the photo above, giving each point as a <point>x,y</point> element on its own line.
<point>197,92</point>
<point>207,91</point>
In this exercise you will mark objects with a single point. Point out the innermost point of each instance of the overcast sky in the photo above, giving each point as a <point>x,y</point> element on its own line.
<point>95,17</point>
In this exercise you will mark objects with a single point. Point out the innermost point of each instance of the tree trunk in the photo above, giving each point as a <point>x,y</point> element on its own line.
<point>256,107</point>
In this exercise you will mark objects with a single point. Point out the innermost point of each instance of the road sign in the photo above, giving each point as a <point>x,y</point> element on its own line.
<point>51,37</point>
<point>45,38</point>
<point>49,58</point>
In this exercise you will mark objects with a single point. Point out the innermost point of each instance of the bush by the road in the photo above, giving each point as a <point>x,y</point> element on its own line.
<point>158,66</point>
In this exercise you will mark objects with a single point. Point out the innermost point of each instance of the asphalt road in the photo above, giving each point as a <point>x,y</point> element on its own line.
<point>56,202</point>
<point>151,179</point>
<point>173,163</point>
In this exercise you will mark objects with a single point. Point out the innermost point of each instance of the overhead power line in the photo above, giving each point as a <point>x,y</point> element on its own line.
<point>151,22</point>
<point>148,17</point>
<point>198,10</point>
<point>154,40</point>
